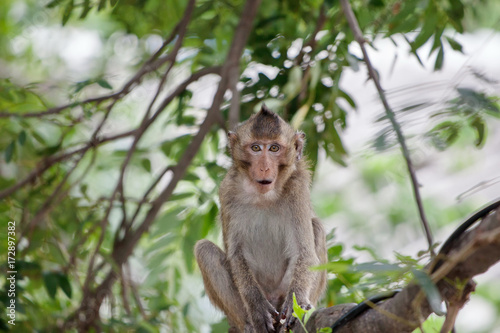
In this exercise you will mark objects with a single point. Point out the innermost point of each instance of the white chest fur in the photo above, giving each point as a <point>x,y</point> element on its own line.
<point>268,246</point>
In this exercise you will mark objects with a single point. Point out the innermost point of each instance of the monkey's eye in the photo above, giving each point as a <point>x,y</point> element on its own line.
<point>274,148</point>
<point>255,147</point>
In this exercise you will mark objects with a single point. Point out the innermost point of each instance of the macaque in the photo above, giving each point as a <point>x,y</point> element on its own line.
<point>270,232</point>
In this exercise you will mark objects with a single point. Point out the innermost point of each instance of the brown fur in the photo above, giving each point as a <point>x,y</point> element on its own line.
<point>271,235</point>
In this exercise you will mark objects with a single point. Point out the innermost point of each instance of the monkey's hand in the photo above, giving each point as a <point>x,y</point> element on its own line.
<point>287,320</point>
<point>264,316</point>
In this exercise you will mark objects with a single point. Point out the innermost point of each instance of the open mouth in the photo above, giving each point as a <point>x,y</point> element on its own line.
<point>264,182</point>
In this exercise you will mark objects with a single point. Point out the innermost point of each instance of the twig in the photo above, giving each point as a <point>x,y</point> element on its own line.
<point>181,87</point>
<point>234,106</point>
<point>146,194</point>
<point>180,30</point>
<point>45,164</point>
<point>123,282</point>
<point>83,238</point>
<point>152,64</point>
<point>133,288</point>
<point>353,24</point>
<point>49,203</point>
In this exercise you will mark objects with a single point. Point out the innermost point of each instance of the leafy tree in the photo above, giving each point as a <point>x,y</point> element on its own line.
<point>111,175</point>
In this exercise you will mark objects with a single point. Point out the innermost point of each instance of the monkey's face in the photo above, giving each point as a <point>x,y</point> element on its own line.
<point>265,158</point>
<point>265,150</point>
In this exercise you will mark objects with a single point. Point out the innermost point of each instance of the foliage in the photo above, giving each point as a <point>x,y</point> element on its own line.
<point>88,157</point>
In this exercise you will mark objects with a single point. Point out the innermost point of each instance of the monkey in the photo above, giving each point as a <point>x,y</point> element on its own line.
<point>270,232</point>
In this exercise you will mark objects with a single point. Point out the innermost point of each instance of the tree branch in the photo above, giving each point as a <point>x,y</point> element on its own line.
<point>48,162</point>
<point>473,253</point>
<point>358,35</point>
<point>152,64</point>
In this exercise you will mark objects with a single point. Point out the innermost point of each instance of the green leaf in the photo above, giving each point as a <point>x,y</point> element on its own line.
<point>477,101</point>
<point>301,314</point>
<point>64,284</point>
<point>456,13</point>
<point>24,266</point>
<point>38,137</point>
<point>376,267</point>
<point>439,59</point>
<point>3,325</point>
<point>82,84</point>
<point>315,76</point>
<point>335,251</point>
<point>85,9</point>
<point>292,87</point>
<point>113,2</point>
<point>298,312</point>
<point>67,11</point>
<point>173,148</point>
<point>445,134</point>
<point>169,222</point>
<point>180,196</point>
<point>146,164</point>
<point>347,97</point>
<point>478,124</point>
<point>22,138</point>
<point>403,16</point>
<point>325,330</point>
<point>454,44</point>
<point>191,177</point>
<point>370,250</point>
<point>337,267</point>
<point>49,150</point>
<point>102,5</point>
<point>437,40</point>
<point>54,3</point>
<point>9,152</point>
<point>430,290</point>
<point>222,326</point>
<point>51,281</point>
<point>382,141</point>
<point>103,83</point>
<point>83,189</point>
<point>430,25</point>
<point>353,61</point>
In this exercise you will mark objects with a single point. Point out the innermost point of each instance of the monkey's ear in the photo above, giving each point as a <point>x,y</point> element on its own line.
<point>232,137</point>
<point>300,139</point>
<point>265,109</point>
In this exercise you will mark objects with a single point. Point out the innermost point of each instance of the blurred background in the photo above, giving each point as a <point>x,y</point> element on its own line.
<point>81,183</point>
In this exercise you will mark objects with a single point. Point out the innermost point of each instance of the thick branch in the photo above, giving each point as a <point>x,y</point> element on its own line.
<point>473,253</point>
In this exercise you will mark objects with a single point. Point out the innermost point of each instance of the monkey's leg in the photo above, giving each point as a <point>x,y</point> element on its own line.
<point>219,284</point>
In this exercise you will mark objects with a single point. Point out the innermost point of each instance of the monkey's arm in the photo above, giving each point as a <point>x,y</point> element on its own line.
<point>305,284</point>
<point>263,315</point>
